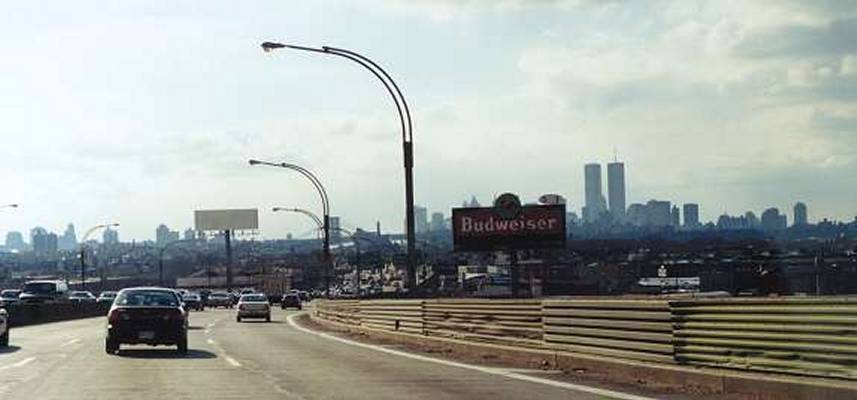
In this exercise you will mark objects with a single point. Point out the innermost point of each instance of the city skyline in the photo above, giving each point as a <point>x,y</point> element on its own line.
<point>148,133</point>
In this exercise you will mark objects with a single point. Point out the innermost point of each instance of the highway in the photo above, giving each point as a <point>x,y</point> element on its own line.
<point>228,360</point>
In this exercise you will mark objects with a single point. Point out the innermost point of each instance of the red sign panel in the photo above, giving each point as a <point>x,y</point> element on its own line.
<point>486,229</point>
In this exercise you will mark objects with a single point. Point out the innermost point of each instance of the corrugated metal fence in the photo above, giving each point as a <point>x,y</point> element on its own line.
<point>807,336</point>
<point>629,329</point>
<point>517,322</point>
<point>793,335</point>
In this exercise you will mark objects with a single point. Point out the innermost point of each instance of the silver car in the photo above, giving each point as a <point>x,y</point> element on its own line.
<point>254,305</point>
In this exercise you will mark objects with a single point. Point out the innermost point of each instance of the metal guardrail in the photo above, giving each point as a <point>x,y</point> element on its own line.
<point>806,336</point>
<point>392,315</point>
<point>29,314</point>
<point>508,321</point>
<point>814,336</point>
<point>627,329</point>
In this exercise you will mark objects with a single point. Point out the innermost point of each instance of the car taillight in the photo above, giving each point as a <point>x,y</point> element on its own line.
<point>115,314</point>
<point>175,315</point>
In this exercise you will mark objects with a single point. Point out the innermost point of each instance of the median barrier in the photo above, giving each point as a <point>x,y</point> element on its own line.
<point>30,314</point>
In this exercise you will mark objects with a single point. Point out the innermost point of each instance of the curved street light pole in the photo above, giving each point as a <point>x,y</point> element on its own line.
<point>407,134</point>
<point>83,251</point>
<point>9,206</point>
<point>325,203</point>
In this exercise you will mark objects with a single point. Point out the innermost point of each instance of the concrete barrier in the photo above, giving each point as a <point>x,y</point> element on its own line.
<point>30,314</point>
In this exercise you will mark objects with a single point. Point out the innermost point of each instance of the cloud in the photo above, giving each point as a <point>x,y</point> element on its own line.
<point>798,41</point>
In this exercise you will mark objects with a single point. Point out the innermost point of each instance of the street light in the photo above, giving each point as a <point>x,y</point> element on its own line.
<point>308,213</point>
<point>9,206</point>
<point>83,250</point>
<point>407,133</point>
<point>325,204</point>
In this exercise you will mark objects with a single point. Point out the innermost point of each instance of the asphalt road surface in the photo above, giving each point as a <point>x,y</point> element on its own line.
<point>252,360</point>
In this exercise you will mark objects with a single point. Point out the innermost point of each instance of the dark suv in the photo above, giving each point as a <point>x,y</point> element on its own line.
<point>152,316</point>
<point>290,300</point>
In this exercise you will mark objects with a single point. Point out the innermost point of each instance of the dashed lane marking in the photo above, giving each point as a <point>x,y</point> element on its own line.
<point>232,361</point>
<point>70,342</point>
<point>493,371</point>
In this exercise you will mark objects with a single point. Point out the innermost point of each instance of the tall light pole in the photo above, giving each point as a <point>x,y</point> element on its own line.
<point>83,251</point>
<point>9,206</point>
<point>407,134</point>
<point>325,203</point>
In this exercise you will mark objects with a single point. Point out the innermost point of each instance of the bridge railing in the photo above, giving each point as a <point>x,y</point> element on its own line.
<point>794,335</point>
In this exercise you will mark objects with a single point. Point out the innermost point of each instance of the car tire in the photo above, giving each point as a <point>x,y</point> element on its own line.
<point>111,346</point>
<point>283,307</point>
<point>268,318</point>
<point>237,319</point>
<point>4,339</point>
<point>181,346</point>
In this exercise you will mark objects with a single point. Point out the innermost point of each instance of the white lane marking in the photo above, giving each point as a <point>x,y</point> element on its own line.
<point>70,342</point>
<point>232,361</point>
<point>18,364</point>
<point>210,341</point>
<point>492,371</point>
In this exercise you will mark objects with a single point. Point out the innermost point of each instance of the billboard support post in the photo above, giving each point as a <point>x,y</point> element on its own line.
<point>513,272</point>
<point>227,235</point>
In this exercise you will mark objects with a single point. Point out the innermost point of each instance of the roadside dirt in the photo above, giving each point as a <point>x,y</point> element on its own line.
<point>543,368</point>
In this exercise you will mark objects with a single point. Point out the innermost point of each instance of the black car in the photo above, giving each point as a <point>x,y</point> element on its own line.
<point>290,300</point>
<point>152,316</point>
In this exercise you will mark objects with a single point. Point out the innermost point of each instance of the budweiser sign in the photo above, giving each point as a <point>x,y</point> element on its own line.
<point>495,229</point>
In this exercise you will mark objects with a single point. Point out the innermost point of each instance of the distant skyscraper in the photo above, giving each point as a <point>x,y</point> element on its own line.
<point>659,213</point>
<point>638,214</point>
<point>800,215</point>
<point>110,236</point>
<point>437,224</point>
<point>15,241</point>
<point>163,235</point>
<point>594,196</point>
<point>420,219</point>
<point>189,234</point>
<point>334,225</point>
<point>44,243</point>
<point>751,221</point>
<point>68,240</point>
<point>675,217</point>
<point>772,220</point>
<point>616,190</point>
<point>691,215</point>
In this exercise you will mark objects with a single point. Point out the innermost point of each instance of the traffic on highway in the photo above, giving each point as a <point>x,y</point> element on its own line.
<point>150,337</point>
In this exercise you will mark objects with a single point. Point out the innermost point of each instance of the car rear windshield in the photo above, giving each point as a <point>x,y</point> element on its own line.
<point>40,287</point>
<point>218,295</point>
<point>147,298</point>
<point>253,297</point>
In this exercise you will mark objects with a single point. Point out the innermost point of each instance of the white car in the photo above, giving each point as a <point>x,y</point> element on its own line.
<point>4,328</point>
<point>254,305</point>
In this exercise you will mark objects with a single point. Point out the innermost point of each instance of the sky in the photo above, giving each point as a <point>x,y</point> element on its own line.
<point>139,112</point>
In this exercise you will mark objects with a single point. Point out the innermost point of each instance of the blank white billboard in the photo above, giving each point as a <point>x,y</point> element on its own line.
<point>221,220</point>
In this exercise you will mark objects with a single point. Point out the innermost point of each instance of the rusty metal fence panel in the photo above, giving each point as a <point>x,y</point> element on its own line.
<point>627,329</point>
<point>809,336</point>
<point>392,315</point>
<point>517,322</point>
